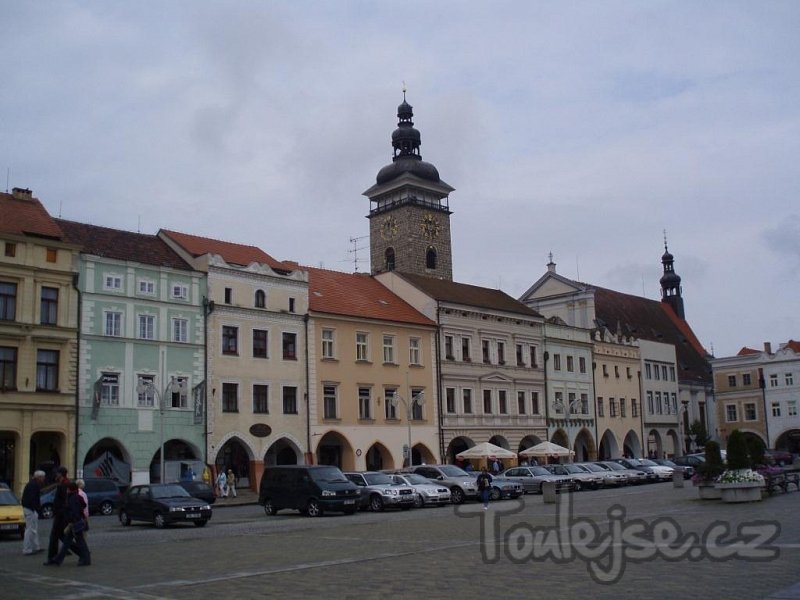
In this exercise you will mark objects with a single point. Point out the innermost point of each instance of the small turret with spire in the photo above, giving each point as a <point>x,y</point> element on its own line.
<point>671,282</point>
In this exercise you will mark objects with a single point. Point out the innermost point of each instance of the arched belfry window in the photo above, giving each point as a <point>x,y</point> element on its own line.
<point>430,258</point>
<point>389,255</point>
<point>261,299</point>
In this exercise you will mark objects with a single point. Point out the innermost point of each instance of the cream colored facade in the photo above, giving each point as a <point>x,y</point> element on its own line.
<point>39,354</point>
<point>739,395</point>
<point>616,382</point>
<point>351,424</point>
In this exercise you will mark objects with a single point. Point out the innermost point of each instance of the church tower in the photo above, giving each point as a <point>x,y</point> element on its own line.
<point>671,283</point>
<point>409,217</point>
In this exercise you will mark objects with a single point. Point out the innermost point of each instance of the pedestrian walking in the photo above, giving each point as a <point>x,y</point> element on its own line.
<point>495,467</point>
<point>484,481</point>
<point>73,535</point>
<point>82,493</point>
<point>31,508</point>
<point>231,480</point>
<point>59,512</point>
<point>222,484</point>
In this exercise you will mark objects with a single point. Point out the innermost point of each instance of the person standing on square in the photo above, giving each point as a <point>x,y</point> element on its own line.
<point>30,508</point>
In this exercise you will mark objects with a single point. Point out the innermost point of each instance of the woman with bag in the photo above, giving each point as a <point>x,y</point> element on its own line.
<point>73,537</point>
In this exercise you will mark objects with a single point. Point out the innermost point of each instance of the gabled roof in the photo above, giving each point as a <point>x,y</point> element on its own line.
<point>235,254</point>
<point>121,245</point>
<point>26,216</point>
<point>358,295</point>
<point>745,351</point>
<point>468,295</point>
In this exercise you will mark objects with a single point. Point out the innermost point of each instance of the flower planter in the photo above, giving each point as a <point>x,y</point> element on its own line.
<point>746,491</point>
<point>709,491</point>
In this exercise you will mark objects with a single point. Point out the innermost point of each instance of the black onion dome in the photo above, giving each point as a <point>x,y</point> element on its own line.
<point>405,110</point>
<point>670,279</point>
<point>667,257</point>
<point>408,164</point>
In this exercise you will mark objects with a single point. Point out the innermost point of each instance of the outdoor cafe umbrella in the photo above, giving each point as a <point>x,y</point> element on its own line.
<point>486,450</point>
<point>546,449</point>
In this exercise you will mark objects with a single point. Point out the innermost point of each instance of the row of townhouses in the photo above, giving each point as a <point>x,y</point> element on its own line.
<point>120,348</point>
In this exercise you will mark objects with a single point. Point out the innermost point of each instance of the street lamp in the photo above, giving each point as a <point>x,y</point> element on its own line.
<point>419,399</point>
<point>173,387</point>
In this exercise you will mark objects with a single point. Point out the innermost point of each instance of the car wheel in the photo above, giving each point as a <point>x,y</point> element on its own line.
<point>495,494</point>
<point>419,502</point>
<point>201,523</point>
<point>269,508</point>
<point>313,509</point>
<point>457,495</point>
<point>46,512</point>
<point>159,521</point>
<point>376,503</point>
<point>106,508</point>
<point>577,487</point>
<point>124,518</point>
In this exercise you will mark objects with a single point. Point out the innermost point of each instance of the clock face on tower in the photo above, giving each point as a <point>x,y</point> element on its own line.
<point>430,226</point>
<point>388,228</point>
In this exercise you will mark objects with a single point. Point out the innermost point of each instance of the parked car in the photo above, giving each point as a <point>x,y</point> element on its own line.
<point>634,476</point>
<point>162,504</point>
<point>457,480</point>
<point>428,494</point>
<point>779,457</point>
<point>690,460</point>
<point>635,465</point>
<point>502,487</point>
<point>12,520</point>
<point>311,489</point>
<point>380,491</point>
<point>580,479</point>
<point>199,489</point>
<point>610,478</point>
<point>104,497</point>
<point>687,470</point>
<point>532,478</point>
<point>663,472</point>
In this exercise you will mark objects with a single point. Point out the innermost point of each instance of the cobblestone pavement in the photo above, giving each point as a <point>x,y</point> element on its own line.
<point>431,553</point>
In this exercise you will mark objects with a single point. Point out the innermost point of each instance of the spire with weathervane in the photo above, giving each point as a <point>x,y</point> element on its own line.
<point>671,282</point>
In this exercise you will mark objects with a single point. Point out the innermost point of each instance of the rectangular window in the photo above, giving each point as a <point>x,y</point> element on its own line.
<point>582,364</point>
<point>501,353</point>
<point>147,287</point>
<point>628,372</point>
<point>585,404</point>
<point>49,306</point>
<point>612,407</point>
<point>260,343</point>
<point>112,282</point>
<point>730,413</point>
<point>290,400</point>
<point>656,373</point>
<point>52,255</point>
<point>650,409</point>
<point>47,370</point>
<point>147,325</point>
<point>616,371</point>
<point>634,408</point>
<point>664,372</point>
<point>557,362</point>
<point>750,411</point>
<point>180,330</point>
<point>448,347</point>
<point>113,324</point>
<point>622,407</point>
<point>8,301</point>
<point>362,347</point>
<point>659,408</point>
<point>228,295</point>
<point>776,409</point>
<point>672,373</point>
<point>450,402</point>
<point>746,380</point>
<point>260,399</point>
<point>570,364</point>
<point>416,405</point>
<point>11,249</point>
<point>674,404</point>
<point>773,380</point>
<point>230,397</point>
<point>600,410</point>
<point>8,368</point>
<point>791,408</point>
<point>289,345</point>
<point>647,371</point>
<point>388,349</point>
<point>230,340</point>
<point>329,401</point>
<point>520,359</point>
<point>390,405</point>
<point>731,380</point>
<point>180,393</point>
<point>521,403</point>
<point>789,379</point>
<point>502,402</point>
<point>487,402</point>
<point>605,370</point>
<point>465,353</point>
<point>109,389</point>
<point>485,351</point>
<point>180,292</point>
<point>291,305</point>
<point>534,362</point>
<point>364,404</point>
<point>535,403</point>
<point>559,403</point>
<point>327,343</point>
<point>467,397</point>
<point>571,402</point>
<point>414,351</point>
<point>145,391</point>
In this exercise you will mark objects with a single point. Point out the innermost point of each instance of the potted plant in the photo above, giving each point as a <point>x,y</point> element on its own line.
<point>739,483</point>
<point>706,475</point>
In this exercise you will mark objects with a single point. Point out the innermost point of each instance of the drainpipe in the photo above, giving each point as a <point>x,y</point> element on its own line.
<point>641,411</point>
<point>208,308</point>
<point>596,418</point>
<point>75,279</point>
<point>763,385</point>
<point>546,357</point>
<point>309,455</point>
<point>438,366</point>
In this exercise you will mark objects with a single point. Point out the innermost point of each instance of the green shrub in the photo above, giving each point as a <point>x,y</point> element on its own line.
<point>738,457</point>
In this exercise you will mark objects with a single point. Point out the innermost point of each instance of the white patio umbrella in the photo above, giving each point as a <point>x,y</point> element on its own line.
<point>546,449</point>
<point>485,450</point>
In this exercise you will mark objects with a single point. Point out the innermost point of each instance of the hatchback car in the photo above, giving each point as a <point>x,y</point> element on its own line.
<point>103,494</point>
<point>162,504</point>
<point>532,478</point>
<point>428,494</point>
<point>460,483</point>
<point>12,520</point>
<point>379,491</point>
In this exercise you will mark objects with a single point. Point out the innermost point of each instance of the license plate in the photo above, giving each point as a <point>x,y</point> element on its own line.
<point>349,501</point>
<point>9,526</point>
<point>192,515</point>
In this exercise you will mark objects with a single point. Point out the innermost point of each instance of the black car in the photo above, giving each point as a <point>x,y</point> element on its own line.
<point>103,494</point>
<point>162,504</point>
<point>199,489</point>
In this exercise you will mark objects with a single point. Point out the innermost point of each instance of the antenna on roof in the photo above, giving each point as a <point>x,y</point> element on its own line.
<point>139,224</point>
<point>59,209</point>
<point>8,176</point>
<point>354,251</point>
<point>577,269</point>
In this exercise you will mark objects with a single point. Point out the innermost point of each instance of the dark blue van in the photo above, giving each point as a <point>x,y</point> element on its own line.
<point>311,489</point>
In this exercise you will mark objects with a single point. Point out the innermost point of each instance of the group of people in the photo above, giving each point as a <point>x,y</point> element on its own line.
<point>226,483</point>
<point>70,519</point>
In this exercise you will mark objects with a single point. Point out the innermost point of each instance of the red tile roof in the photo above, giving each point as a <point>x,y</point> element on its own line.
<point>745,351</point>
<point>793,345</point>
<point>358,295</point>
<point>236,254</point>
<point>26,216</point>
<point>122,245</point>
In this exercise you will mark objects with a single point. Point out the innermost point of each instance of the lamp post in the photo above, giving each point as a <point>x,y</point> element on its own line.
<point>420,400</point>
<point>172,387</point>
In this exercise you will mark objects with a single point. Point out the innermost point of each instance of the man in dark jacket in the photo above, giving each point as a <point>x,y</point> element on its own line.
<point>30,508</point>
<point>59,513</point>
<point>74,530</point>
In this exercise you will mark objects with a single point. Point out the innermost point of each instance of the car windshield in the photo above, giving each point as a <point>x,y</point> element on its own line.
<point>378,479</point>
<point>415,479</point>
<point>7,498</point>
<point>594,468</point>
<point>646,462</point>
<point>168,491</point>
<point>635,462</point>
<point>451,471</point>
<point>614,466</point>
<point>540,471</point>
<point>572,469</point>
<point>329,474</point>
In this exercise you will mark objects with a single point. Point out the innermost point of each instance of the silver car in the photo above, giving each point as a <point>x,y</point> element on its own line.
<point>634,477</point>
<point>457,480</point>
<point>428,494</point>
<point>610,478</point>
<point>532,478</point>
<point>581,479</point>
<point>379,491</point>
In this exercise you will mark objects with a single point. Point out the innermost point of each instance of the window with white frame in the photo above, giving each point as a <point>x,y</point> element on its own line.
<point>180,330</point>
<point>559,403</point>
<point>450,400</point>
<point>664,372</point>
<point>487,402</point>
<point>230,339</point>
<point>329,401</point>
<point>776,409</point>
<point>417,404</point>
<point>180,393</point>
<point>557,362</point>
<point>622,407</point>
<point>362,346</point>
<point>600,410</point>
<point>791,408</point>
<point>731,413</point>
<point>414,351</point>
<point>289,345</point>
<point>535,403</point>
<point>648,373</point>
<point>485,351</point>
<point>180,291</point>
<point>364,403</point>
<point>260,343</point>
<point>502,402</point>
<point>327,343</point>
<point>466,343</point>
<point>672,373</point>
<point>570,363</point>
<point>773,380</point>
<point>746,379</point>
<point>390,406</point>
<point>650,408</point>
<point>466,397</point>
<point>534,361</point>
<point>521,408</point>
<point>290,400</point>
<point>260,399</point>
<point>585,404</point>
<point>147,287</point>
<point>750,413</point>
<point>520,359</point>
<point>659,407</point>
<point>145,391</point>
<point>147,327</point>
<point>112,282</point>
<point>112,323</point>
<point>674,403</point>
<point>582,364</point>
<point>731,380</point>
<point>388,349</point>
<point>448,347</point>
<point>501,353</point>
<point>109,389</point>
<point>789,379</point>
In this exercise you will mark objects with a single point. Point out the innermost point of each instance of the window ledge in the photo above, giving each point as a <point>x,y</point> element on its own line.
<point>363,361</point>
<point>390,364</point>
<point>330,359</point>
<point>360,420</point>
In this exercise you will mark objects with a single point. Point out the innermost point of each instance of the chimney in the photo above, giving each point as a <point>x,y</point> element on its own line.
<point>767,347</point>
<point>22,193</point>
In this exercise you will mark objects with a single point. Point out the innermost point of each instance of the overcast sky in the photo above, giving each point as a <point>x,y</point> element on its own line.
<point>584,129</point>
